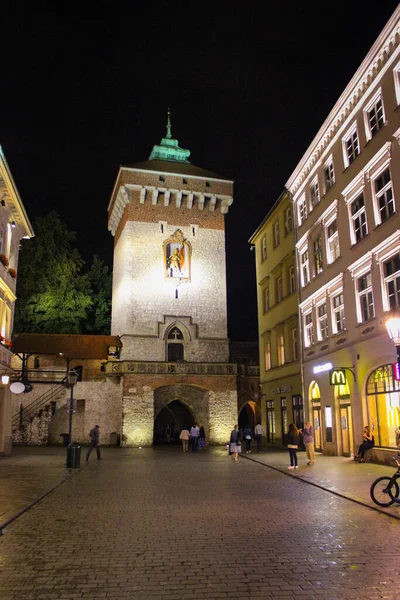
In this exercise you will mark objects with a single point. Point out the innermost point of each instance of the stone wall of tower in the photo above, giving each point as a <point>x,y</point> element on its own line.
<point>143,297</point>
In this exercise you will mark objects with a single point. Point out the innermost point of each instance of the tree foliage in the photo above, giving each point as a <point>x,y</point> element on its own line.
<point>54,293</point>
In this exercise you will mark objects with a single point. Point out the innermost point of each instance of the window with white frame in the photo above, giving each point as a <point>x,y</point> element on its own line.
<point>358,218</point>
<point>280,343</point>
<point>308,329</point>
<point>295,345</point>
<point>302,210</point>
<point>305,267</point>
<point>2,239</point>
<point>333,241</point>
<point>396,75</point>
<point>322,315</point>
<point>351,147</point>
<point>365,297</point>
<point>292,279</point>
<point>339,323</point>
<point>276,234</point>
<point>314,193</point>
<point>267,355</point>
<point>8,241</point>
<point>384,196</point>
<point>279,289</point>
<point>288,220</point>
<point>374,116</point>
<point>266,299</point>
<point>329,175</point>
<point>318,257</point>
<point>392,281</point>
<point>264,248</point>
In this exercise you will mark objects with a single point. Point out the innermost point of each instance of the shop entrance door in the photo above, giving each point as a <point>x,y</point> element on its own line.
<point>317,428</point>
<point>346,430</point>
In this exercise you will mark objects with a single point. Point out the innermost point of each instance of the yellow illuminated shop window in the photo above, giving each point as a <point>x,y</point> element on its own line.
<point>383,400</point>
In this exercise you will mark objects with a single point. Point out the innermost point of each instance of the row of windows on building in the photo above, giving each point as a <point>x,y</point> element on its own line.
<point>286,350</point>
<point>284,284</point>
<point>374,121</point>
<point>326,313</point>
<point>367,206</point>
<point>276,232</point>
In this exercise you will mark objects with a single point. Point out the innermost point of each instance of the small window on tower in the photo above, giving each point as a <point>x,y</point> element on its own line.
<point>193,231</point>
<point>176,294</point>
<point>208,184</point>
<point>162,228</point>
<point>161,178</point>
<point>185,181</point>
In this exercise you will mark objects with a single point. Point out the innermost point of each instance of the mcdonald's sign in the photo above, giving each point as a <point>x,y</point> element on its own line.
<point>337,377</point>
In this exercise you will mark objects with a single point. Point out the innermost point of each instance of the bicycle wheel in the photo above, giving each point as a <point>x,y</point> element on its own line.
<point>384,490</point>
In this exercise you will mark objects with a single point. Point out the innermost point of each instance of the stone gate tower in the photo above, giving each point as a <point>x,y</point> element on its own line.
<point>169,296</point>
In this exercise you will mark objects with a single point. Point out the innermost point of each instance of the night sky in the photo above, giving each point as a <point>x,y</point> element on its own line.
<point>85,87</point>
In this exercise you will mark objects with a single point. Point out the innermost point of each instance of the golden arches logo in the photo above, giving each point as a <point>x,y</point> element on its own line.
<point>338,377</point>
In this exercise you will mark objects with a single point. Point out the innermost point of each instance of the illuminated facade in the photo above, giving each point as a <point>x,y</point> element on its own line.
<point>14,225</point>
<point>169,294</point>
<point>346,199</point>
<point>280,379</point>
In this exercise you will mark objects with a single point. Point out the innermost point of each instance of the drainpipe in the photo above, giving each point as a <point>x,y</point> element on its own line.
<point>305,401</point>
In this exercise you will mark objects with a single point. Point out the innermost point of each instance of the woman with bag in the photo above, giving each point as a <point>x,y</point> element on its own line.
<point>235,446</point>
<point>293,438</point>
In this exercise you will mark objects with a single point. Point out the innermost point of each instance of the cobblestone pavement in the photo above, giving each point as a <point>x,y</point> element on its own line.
<point>27,474</point>
<point>157,524</point>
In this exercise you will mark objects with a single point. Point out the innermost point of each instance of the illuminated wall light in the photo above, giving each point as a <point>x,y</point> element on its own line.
<point>5,379</point>
<point>13,224</point>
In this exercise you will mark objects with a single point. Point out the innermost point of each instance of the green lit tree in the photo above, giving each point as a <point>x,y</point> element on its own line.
<point>99,315</point>
<point>54,296</point>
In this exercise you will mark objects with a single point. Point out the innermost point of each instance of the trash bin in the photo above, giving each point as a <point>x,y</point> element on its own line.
<point>74,456</point>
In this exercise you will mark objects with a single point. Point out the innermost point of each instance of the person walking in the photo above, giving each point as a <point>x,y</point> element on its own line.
<point>202,442</point>
<point>194,436</point>
<point>293,438</point>
<point>368,442</point>
<point>308,439</point>
<point>248,436</point>
<point>234,445</point>
<point>184,436</point>
<point>259,432</point>
<point>94,436</point>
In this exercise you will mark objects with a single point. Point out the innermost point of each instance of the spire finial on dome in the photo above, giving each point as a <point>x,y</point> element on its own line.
<point>169,134</point>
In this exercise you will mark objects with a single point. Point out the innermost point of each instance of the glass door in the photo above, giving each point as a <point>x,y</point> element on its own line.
<point>270,422</point>
<point>316,410</point>
<point>346,430</point>
<point>284,421</point>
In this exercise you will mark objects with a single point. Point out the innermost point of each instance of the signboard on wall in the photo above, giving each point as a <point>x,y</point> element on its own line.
<point>337,377</point>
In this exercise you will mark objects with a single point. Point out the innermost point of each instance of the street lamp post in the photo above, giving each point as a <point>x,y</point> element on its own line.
<point>72,378</point>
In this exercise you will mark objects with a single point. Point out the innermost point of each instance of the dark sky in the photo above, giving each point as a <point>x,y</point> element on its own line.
<point>85,87</point>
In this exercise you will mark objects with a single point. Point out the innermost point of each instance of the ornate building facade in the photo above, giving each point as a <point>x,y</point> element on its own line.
<point>14,225</point>
<point>346,197</point>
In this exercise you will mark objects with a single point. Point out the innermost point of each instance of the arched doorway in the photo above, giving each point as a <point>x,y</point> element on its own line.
<point>249,415</point>
<point>314,397</point>
<point>169,422</point>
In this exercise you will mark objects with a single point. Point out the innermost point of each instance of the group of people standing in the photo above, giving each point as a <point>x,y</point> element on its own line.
<point>197,437</point>
<point>293,438</point>
<point>235,442</point>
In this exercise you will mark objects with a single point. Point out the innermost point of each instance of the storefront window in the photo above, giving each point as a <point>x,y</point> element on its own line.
<point>383,398</point>
<point>270,422</point>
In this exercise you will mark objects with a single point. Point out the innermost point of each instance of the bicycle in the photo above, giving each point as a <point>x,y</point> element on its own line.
<point>385,490</point>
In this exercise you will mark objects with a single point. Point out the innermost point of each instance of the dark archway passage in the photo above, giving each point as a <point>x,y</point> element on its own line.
<point>249,415</point>
<point>174,417</point>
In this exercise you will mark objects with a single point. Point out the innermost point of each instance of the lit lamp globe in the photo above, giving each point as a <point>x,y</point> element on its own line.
<point>393,328</point>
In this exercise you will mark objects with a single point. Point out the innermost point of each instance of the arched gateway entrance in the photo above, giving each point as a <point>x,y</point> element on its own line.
<point>178,406</point>
<point>170,421</point>
<point>249,415</point>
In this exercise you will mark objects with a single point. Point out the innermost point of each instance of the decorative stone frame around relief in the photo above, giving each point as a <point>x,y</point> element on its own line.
<point>178,238</point>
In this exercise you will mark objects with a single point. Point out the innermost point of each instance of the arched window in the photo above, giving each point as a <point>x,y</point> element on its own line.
<point>314,393</point>
<point>383,401</point>
<point>175,347</point>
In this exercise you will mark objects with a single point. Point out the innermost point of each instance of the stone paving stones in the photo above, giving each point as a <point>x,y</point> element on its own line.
<point>157,524</point>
